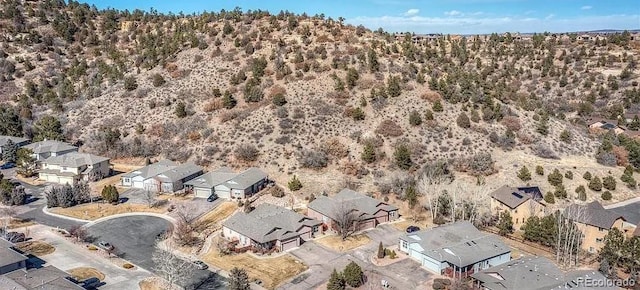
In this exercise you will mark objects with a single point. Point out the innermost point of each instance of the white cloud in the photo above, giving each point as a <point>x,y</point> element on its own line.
<point>587,7</point>
<point>549,16</point>
<point>453,13</point>
<point>412,12</point>
<point>498,24</point>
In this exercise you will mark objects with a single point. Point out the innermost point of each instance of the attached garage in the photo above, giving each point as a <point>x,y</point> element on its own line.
<point>383,219</point>
<point>290,244</point>
<point>138,184</point>
<point>223,191</point>
<point>367,224</point>
<point>202,192</point>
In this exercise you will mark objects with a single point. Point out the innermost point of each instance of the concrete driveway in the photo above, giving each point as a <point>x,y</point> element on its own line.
<point>404,274</point>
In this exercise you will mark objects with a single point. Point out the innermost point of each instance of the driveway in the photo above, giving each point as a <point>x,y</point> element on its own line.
<point>404,274</point>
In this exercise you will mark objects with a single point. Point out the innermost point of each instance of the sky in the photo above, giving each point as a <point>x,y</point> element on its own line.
<point>432,16</point>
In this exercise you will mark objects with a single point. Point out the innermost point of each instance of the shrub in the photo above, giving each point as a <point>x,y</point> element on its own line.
<point>582,193</point>
<point>130,83</point>
<point>437,106</point>
<point>544,151</point>
<point>247,152</point>
<point>606,195</point>
<point>277,191</point>
<point>587,175</point>
<point>555,178</point>
<point>607,159</point>
<point>127,266</point>
<point>368,153</point>
<point>357,114</point>
<point>539,170</point>
<point>478,164</point>
<point>428,115</point>
<point>279,100</point>
<point>414,118</point>
<point>157,80</point>
<point>181,110</point>
<point>595,184</point>
<point>402,155</point>
<point>92,248</point>
<point>549,198</point>
<point>463,121</point>
<point>294,184</point>
<point>565,136</point>
<point>389,128</point>
<point>315,159</point>
<point>568,175</point>
<point>609,183</point>
<point>110,194</point>
<point>560,191</point>
<point>393,254</point>
<point>512,123</point>
<point>524,174</point>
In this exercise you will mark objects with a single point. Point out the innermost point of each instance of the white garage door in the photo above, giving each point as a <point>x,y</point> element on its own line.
<point>223,194</point>
<point>138,184</point>
<point>202,192</point>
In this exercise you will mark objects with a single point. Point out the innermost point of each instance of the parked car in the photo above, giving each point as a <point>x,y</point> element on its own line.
<point>212,197</point>
<point>8,165</point>
<point>200,265</point>
<point>91,283</point>
<point>15,237</point>
<point>105,245</point>
<point>411,229</point>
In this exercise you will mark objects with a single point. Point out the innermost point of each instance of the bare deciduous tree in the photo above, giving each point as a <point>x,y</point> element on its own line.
<point>434,180</point>
<point>79,233</point>
<point>150,198</point>
<point>175,271</point>
<point>6,215</point>
<point>185,226</point>
<point>569,236</point>
<point>346,219</point>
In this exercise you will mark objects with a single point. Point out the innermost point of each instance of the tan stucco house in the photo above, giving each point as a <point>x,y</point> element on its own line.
<point>520,202</point>
<point>369,211</point>
<point>594,221</point>
<point>73,167</point>
<point>270,227</point>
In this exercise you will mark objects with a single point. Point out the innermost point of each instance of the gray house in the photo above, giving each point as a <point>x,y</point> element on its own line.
<point>162,176</point>
<point>10,259</point>
<point>50,148</point>
<point>49,277</point>
<point>536,273</point>
<point>227,184</point>
<point>270,227</point>
<point>455,250</point>
<point>19,141</point>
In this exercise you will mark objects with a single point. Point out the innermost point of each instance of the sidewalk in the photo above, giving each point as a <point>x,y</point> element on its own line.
<point>623,203</point>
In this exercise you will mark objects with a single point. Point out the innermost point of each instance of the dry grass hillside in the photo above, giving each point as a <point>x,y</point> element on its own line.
<point>305,95</point>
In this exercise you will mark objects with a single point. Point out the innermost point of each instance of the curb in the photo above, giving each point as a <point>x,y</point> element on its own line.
<point>162,216</point>
<point>45,210</point>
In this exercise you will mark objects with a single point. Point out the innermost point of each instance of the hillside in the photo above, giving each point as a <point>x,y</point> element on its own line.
<point>303,95</point>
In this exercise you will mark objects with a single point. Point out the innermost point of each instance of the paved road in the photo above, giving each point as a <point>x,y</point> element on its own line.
<point>135,239</point>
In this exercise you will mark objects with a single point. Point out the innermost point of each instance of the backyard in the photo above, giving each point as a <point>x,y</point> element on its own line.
<point>94,211</point>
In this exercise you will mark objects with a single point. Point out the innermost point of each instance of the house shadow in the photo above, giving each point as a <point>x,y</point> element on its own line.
<point>208,281</point>
<point>34,262</point>
<point>30,199</point>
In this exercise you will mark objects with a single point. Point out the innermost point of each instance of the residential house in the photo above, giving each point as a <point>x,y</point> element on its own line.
<point>162,176</point>
<point>520,202</point>
<point>73,167</point>
<point>19,141</point>
<point>49,277</point>
<point>10,258</point>
<point>607,125</point>
<point>227,184</point>
<point>369,212</point>
<point>594,221</point>
<point>535,273</point>
<point>455,250</point>
<point>50,148</point>
<point>270,227</point>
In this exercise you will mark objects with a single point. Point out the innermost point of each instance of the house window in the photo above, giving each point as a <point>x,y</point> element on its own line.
<point>314,229</point>
<point>515,211</point>
<point>404,244</point>
<point>600,229</point>
<point>64,168</point>
<point>599,240</point>
<point>392,214</point>
<point>591,249</point>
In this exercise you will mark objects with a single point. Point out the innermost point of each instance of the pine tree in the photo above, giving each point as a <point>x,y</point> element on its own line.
<point>524,174</point>
<point>228,101</point>
<point>587,175</point>
<point>380,251</point>
<point>294,184</point>
<point>606,195</point>
<point>428,115</point>
<point>49,128</point>
<point>238,279</point>
<point>10,152</point>
<point>181,110</point>
<point>353,275</point>
<point>402,157</point>
<point>393,87</point>
<point>372,58</point>
<point>555,178</point>
<point>609,183</point>
<point>437,106</point>
<point>539,170</point>
<point>368,153</point>
<point>549,198</point>
<point>505,223</point>
<point>595,184</point>
<point>10,123</point>
<point>336,281</point>
<point>582,193</point>
<point>411,196</point>
<point>414,118</point>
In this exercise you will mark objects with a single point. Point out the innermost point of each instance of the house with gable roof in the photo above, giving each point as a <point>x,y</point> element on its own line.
<point>162,176</point>
<point>520,202</point>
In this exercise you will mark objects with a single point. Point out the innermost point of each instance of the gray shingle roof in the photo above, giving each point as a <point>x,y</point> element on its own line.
<point>269,222</point>
<point>48,277</point>
<point>459,243</point>
<point>213,178</point>
<point>179,172</point>
<point>15,140</point>
<point>246,178</point>
<point>592,214</point>
<point>152,170</point>
<point>50,146</point>
<point>515,196</point>
<point>8,255</point>
<point>365,205</point>
<point>533,273</point>
<point>75,159</point>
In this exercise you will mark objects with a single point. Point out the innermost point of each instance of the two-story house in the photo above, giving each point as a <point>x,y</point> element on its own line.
<point>520,202</point>
<point>368,211</point>
<point>269,226</point>
<point>594,221</point>
<point>49,148</point>
<point>73,167</point>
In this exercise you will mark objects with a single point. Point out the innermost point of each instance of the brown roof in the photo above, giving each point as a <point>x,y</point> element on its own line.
<point>593,214</point>
<point>515,196</point>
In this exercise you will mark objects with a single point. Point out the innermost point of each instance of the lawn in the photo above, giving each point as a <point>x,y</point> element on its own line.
<point>36,248</point>
<point>150,284</point>
<point>220,213</point>
<point>271,271</point>
<point>94,211</point>
<point>336,243</point>
<point>16,223</point>
<point>82,273</point>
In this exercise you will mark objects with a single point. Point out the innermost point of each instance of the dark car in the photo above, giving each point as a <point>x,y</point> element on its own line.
<point>200,265</point>
<point>8,165</point>
<point>91,283</point>
<point>212,197</point>
<point>15,237</point>
<point>411,229</point>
